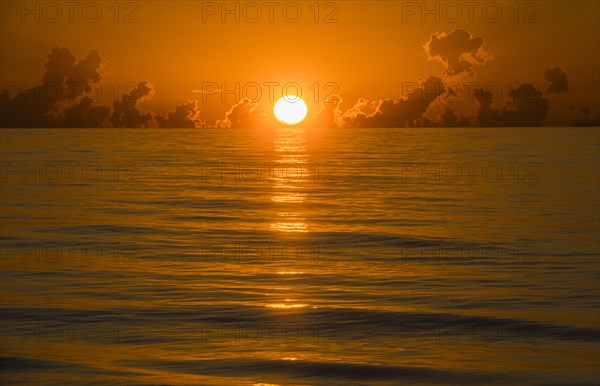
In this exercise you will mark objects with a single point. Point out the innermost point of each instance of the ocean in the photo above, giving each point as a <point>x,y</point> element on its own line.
<point>300,256</point>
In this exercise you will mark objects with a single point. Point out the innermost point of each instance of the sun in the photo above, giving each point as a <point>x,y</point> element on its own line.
<point>290,110</point>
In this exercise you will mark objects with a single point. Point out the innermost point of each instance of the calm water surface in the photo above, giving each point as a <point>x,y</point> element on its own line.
<point>300,256</point>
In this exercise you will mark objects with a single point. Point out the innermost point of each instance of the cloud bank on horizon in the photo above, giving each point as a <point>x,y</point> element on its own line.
<point>62,100</point>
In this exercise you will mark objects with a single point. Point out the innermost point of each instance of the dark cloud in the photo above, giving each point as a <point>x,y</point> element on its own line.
<point>362,107</point>
<point>85,72</point>
<point>558,80</point>
<point>403,112</point>
<point>62,98</point>
<point>451,119</point>
<point>84,114</point>
<point>244,114</point>
<point>586,111</point>
<point>186,115</point>
<point>60,64</point>
<point>329,114</point>
<point>125,112</point>
<point>458,51</point>
<point>526,107</point>
<point>586,121</point>
<point>30,108</point>
<point>64,83</point>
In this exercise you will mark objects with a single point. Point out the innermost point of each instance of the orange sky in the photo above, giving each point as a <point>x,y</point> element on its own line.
<point>366,49</point>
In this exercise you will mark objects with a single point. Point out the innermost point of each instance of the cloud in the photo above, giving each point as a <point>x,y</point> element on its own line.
<point>450,119</point>
<point>458,51</point>
<point>586,121</point>
<point>85,72</point>
<point>84,114</point>
<point>586,111</point>
<point>244,114</point>
<point>526,107</point>
<point>62,99</point>
<point>402,112</point>
<point>362,109</point>
<point>63,85</point>
<point>60,64</point>
<point>125,112</point>
<point>558,80</point>
<point>186,115</point>
<point>330,114</point>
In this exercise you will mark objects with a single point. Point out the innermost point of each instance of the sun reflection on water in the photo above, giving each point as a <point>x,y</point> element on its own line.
<point>289,227</point>
<point>265,384</point>
<point>287,306</point>
<point>290,144</point>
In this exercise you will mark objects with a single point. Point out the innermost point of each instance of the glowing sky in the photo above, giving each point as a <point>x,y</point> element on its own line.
<point>353,49</point>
